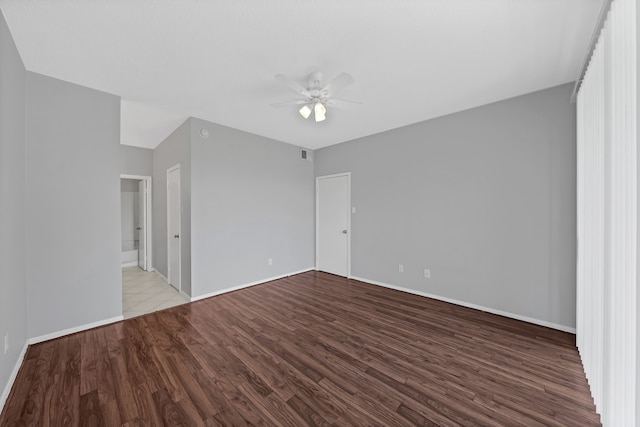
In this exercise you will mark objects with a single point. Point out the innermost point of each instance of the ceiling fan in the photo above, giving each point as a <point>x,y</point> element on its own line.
<point>316,97</point>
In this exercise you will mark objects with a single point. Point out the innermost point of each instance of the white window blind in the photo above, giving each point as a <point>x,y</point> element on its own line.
<point>606,323</point>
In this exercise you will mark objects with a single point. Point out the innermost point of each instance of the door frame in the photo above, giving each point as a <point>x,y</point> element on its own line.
<point>336,175</point>
<point>179,288</point>
<point>148,219</point>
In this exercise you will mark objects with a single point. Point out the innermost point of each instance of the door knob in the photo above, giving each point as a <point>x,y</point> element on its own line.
<point>176,236</point>
<point>344,231</point>
<point>139,228</point>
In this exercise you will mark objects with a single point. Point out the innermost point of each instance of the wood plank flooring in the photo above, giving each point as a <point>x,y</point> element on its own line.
<point>312,349</point>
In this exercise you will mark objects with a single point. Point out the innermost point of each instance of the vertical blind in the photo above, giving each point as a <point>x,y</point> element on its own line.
<point>606,324</point>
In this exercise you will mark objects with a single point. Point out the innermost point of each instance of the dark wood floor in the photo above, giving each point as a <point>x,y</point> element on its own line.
<point>313,349</point>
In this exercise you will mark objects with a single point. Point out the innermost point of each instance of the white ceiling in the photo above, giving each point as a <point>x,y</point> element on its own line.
<point>411,60</point>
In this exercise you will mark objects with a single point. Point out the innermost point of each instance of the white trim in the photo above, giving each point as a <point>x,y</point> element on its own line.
<point>149,243</point>
<point>470,305</point>
<point>73,330</point>
<point>127,176</point>
<point>12,377</point>
<point>336,175</point>
<point>169,170</point>
<point>184,295</point>
<point>248,285</point>
<point>130,264</point>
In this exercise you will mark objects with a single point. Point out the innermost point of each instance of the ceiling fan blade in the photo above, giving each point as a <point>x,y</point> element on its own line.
<point>340,103</point>
<point>286,80</point>
<point>339,83</point>
<point>289,102</point>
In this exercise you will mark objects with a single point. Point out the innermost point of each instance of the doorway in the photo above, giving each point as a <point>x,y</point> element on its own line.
<point>173,227</point>
<point>143,289</point>
<point>333,224</point>
<point>135,203</point>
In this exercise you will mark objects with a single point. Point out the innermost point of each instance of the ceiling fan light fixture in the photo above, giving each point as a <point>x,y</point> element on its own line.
<point>320,111</point>
<point>317,97</point>
<point>305,111</point>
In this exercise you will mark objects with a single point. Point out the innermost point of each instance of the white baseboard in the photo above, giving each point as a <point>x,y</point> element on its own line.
<point>185,296</point>
<point>248,285</point>
<point>64,332</point>
<point>12,377</point>
<point>470,305</point>
<point>130,264</point>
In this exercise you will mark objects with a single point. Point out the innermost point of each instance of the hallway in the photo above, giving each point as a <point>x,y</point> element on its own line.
<point>145,292</point>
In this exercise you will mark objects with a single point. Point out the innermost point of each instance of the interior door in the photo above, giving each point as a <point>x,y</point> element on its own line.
<point>142,224</point>
<point>333,224</point>
<point>173,226</point>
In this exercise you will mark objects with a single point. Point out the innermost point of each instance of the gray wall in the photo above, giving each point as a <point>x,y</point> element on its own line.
<point>172,151</point>
<point>73,237</point>
<point>13,255</point>
<point>485,198</point>
<point>129,185</point>
<point>136,161</point>
<point>252,199</point>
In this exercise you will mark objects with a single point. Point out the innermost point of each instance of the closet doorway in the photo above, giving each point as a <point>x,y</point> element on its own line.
<point>333,224</point>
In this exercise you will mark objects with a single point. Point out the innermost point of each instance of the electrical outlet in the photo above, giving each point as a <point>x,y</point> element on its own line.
<point>270,262</point>
<point>401,268</point>
<point>427,273</point>
<point>6,343</point>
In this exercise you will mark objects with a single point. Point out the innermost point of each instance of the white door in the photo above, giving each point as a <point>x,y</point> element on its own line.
<point>173,225</point>
<point>142,224</point>
<point>333,221</point>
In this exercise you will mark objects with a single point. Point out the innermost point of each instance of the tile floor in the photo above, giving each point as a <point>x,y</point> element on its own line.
<point>145,291</point>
